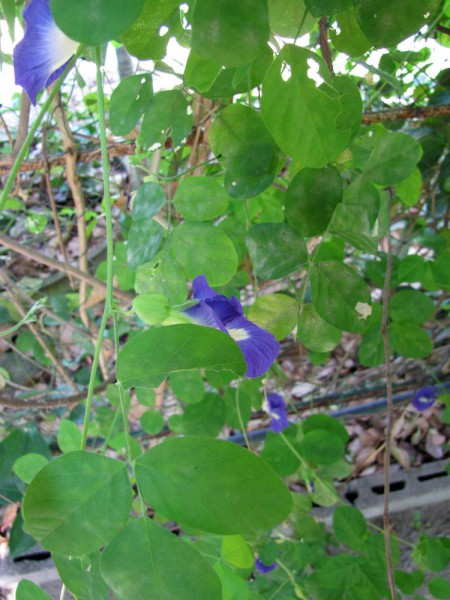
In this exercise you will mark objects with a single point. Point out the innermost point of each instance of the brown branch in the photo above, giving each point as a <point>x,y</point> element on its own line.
<point>70,156</point>
<point>44,402</point>
<point>117,149</point>
<point>443,29</point>
<point>37,334</point>
<point>24,121</point>
<point>324,45</point>
<point>52,201</point>
<point>390,415</point>
<point>42,259</point>
<point>406,114</point>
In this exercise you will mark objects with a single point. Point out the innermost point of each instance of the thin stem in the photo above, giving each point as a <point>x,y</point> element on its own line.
<point>241,422</point>
<point>109,246</point>
<point>390,412</point>
<point>29,139</point>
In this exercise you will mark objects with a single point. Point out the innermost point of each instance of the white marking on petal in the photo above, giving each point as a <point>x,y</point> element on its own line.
<point>60,47</point>
<point>238,335</point>
<point>363,309</point>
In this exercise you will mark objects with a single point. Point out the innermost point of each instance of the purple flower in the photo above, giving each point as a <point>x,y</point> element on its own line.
<point>424,398</point>
<point>277,411</point>
<point>265,568</point>
<point>258,346</point>
<point>43,54</point>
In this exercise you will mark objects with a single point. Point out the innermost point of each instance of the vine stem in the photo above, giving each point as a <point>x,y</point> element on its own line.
<point>109,245</point>
<point>29,139</point>
<point>390,414</point>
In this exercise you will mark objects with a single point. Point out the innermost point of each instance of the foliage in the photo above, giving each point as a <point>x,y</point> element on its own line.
<point>261,169</point>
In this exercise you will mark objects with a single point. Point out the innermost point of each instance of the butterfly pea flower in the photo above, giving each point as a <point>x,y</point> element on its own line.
<point>260,566</point>
<point>258,346</point>
<point>44,52</point>
<point>424,398</point>
<point>276,408</point>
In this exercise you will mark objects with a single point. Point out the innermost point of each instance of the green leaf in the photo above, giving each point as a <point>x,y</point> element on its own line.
<point>408,582</point>
<point>319,8</point>
<point>233,585</point>
<point>410,340</point>
<point>410,306</point>
<point>128,103</point>
<point>277,313</point>
<point>439,588</point>
<point>144,240</point>
<point>340,296</point>
<point>322,447</point>
<point>411,269</point>
<point>205,418</point>
<point>242,143</point>
<point>315,333</point>
<point>166,117</point>
<point>27,466</point>
<point>151,308</point>
<point>278,455</point>
<point>203,249</point>
<point>350,527</point>
<point>179,479</point>
<point>9,14</point>
<point>351,102</point>
<point>147,359</point>
<point>152,422</point>
<point>19,542</point>
<point>200,199</point>
<point>236,551</point>
<point>350,39</point>
<point>371,349</point>
<point>82,576</point>
<point>409,189</point>
<point>107,19</point>
<point>212,81</point>
<point>356,220</point>
<point>394,157</point>
<point>385,23</point>
<point>229,33</point>
<point>234,398</point>
<point>276,249</point>
<point>188,386</point>
<point>321,421</point>
<point>146,561</point>
<point>300,116</point>
<point>27,590</point>
<point>143,39</point>
<point>432,553</point>
<point>162,275</point>
<point>148,201</point>
<point>441,270</point>
<point>69,436</point>
<point>12,447</point>
<point>286,16</point>
<point>64,506</point>
<point>311,199</point>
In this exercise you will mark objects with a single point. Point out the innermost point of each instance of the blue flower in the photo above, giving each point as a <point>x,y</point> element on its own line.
<point>265,568</point>
<point>258,346</point>
<point>43,54</point>
<point>424,398</point>
<point>277,411</point>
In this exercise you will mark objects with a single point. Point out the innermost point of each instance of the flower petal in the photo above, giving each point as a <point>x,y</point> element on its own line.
<point>259,347</point>
<point>260,566</point>
<point>424,398</point>
<point>277,411</point>
<point>202,314</point>
<point>44,52</point>
<point>224,308</point>
<point>201,289</point>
